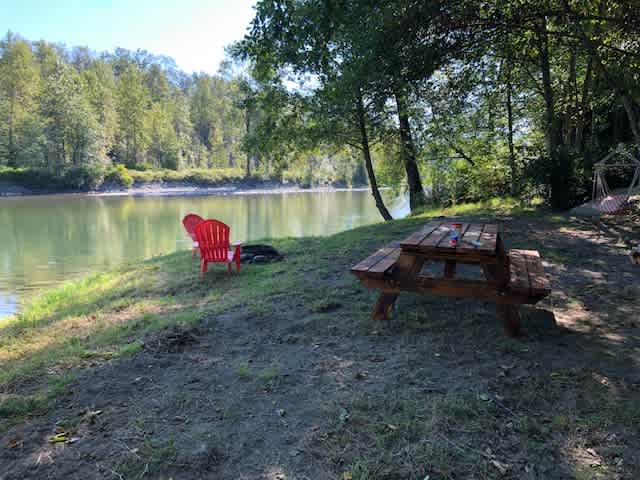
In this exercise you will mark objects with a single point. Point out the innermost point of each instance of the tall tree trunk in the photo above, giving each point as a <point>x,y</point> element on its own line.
<point>417,197</point>
<point>559,181</point>
<point>364,139</point>
<point>12,161</point>
<point>582,107</point>
<point>629,107</point>
<point>512,153</point>
<point>247,124</point>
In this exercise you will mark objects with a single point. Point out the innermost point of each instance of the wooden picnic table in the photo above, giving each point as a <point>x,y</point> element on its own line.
<point>509,279</point>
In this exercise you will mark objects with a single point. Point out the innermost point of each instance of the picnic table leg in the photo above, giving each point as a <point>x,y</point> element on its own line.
<point>449,269</point>
<point>498,277</point>
<point>407,267</point>
<point>382,309</point>
<point>510,319</point>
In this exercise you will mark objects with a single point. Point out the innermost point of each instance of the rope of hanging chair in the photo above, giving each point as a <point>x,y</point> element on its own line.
<point>603,199</point>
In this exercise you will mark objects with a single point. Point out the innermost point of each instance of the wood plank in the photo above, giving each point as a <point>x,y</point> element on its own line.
<point>386,263</point>
<point>445,242</point>
<point>510,319</point>
<point>366,264</point>
<point>384,306</point>
<point>489,239</point>
<point>519,275</point>
<point>471,235</point>
<point>438,234</point>
<point>472,258</point>
<point>419,235</point>
<point>537,278</point>
<point>447,288</point>
<point>449,269</point>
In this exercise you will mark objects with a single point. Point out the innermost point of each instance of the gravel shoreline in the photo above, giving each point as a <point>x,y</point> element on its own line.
<point>183,190</point>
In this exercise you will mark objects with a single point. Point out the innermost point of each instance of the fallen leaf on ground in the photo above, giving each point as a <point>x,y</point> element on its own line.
<point>502,467</point>
<point>58,438</point>
<point>15,442</point>
<point>91,415</point>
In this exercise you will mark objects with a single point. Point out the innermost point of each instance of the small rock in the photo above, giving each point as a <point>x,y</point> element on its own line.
<point>376,358</point>
<point>281,412</point>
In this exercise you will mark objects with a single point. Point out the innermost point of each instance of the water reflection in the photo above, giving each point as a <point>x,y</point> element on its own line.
<point>47,240</point>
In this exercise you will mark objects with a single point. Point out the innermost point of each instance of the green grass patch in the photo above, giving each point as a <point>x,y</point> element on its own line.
<point>495,206</point>
<point>396,437</point>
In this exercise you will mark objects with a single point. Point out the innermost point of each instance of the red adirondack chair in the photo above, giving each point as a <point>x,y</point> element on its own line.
<point>190,221</point>
<point>213,241</point>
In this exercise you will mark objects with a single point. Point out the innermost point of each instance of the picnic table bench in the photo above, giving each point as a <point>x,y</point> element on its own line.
<point>509,279</point>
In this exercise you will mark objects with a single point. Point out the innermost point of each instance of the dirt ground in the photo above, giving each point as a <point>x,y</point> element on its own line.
<point>322,392</point>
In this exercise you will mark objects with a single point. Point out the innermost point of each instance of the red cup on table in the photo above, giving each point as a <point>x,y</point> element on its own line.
<point>456,232</point>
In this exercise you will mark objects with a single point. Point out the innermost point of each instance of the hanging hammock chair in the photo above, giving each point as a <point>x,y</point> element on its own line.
<point>604,200</point>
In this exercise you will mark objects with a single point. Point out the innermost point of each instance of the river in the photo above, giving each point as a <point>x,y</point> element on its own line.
<point>47,240</point>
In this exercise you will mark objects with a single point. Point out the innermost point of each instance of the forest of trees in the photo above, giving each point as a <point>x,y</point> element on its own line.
<point>73,112</point>
<point>71,107</point>
<point>456,101</point>
<point>473,98</point>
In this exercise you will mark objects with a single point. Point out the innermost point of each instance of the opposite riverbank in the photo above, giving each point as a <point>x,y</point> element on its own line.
<point>120,181</point>
<point>279,373</point>
<point>186,189</point>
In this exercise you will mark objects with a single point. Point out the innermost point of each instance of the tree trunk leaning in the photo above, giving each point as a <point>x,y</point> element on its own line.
<point>417,197</point>
<point>364,139</point>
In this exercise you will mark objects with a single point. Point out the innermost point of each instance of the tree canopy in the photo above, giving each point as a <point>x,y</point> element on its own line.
<point>485,98</point>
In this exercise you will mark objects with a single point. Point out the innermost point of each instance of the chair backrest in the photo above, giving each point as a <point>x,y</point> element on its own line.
<point>213,240</point>
<point>190,221</point>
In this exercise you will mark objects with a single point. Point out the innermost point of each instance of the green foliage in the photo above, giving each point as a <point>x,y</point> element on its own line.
<point>491,101</point>
<point>83,177</point>
<point>75,113</point>
<point>119,175</point>
<point>94,177</point>
<point>201,177</point>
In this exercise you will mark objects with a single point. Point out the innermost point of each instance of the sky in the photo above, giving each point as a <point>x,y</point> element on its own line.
<point>192,32</point>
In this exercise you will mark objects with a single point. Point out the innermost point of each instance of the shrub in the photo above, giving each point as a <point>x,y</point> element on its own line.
<point>119,175</point>
<point>83,177</point>
<point>28,177</point>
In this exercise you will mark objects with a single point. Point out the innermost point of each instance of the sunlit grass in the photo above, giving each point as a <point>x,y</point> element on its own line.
<point>494,206</point>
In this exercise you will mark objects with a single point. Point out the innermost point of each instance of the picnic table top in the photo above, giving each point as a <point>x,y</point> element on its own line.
<point>478,239</point>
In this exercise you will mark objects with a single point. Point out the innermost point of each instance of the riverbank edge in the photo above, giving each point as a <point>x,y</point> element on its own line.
<point>182,189</point>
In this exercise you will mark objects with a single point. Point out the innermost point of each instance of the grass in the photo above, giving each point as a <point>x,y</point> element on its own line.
<point>106,315</point>
<point>148,460</point>
<point>494,206</point>
<point>397,437</point>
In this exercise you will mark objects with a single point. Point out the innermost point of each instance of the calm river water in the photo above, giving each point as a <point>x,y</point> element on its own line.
<point>47,240</point>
